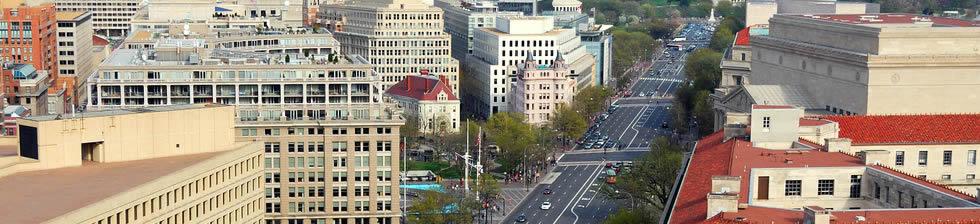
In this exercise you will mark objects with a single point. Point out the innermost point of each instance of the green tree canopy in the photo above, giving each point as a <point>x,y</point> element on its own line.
<point>568,122</point>
<point>512,135</point>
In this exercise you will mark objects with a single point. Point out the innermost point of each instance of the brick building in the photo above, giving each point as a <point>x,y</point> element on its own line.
<point>27,36</point>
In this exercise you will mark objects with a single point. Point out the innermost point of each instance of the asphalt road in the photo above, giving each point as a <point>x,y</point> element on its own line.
<point>579,173</point>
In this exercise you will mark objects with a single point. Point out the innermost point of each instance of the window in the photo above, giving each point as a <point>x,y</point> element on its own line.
<point>765,122</point>
<point>971,176</point>
<point>793,187</point>
<point>923,157</point>
<point>900,158</point>
<point>877,191</point>
<point>946,177</point>
<point>947,157</point>
<point>855,186</point>
<point>825,187</point>
<point>971,157</point>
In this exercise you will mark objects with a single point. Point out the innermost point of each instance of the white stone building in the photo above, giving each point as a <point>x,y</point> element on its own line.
<point>399,37</point>
<point>539,89</point>
<point>462,17</point>
<point>497,53</point>
<point>429,99</point>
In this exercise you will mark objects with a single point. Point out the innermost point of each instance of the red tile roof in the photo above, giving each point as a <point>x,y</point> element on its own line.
<point>909,129</point>
<point>755,214</point>
<point>892,18</point>
<point>421,87</point>
<point>759,106</point>
<point>98,41</point>
<point>714,157</point>
<point>742,36</point>
<point>930,184</point>
<point>711,157</point>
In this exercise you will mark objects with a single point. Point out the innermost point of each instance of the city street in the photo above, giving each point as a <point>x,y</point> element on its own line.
<point>640,117</point>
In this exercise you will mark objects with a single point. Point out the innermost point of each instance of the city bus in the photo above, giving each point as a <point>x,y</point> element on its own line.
<point>610,176</point>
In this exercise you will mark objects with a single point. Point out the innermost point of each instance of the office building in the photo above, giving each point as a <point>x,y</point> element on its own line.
<point>319,115</point>
<point>766,168</point>
<point>131,166</point>
<point>760,11</point>
<point>462,17</point>
<point>429,99</point>
<point>598,41</point>
<point>398,37</point>
<point>110,18</point>
<point>539,89</point>
<point>74,52</point>
<point>873,63</point>
<point>498,52</point>
<point>525,7</point>
<point>28,37</point>
<point>23,85</point>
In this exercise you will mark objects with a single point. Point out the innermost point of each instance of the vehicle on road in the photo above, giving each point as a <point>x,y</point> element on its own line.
<point>651,93</point>
<point>521,219</point>
<point>609,165</point>
<point>610,144</point>
<point>599,144</point>
<point>605,137</point>
<point>547,191</point>
<point>610,176</point>
<point>628,93</point>
<point>588,145</point>
<point>546,205</point>
<point>664,125</point>
<point>580,141</point>
<point>604,116</point>
<point>643,94</point>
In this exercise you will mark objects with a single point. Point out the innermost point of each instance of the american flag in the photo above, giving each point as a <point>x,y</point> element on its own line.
<point>479,137</point>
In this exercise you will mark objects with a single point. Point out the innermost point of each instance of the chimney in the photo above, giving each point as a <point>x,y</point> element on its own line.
<point>874,157</point>
<point>442,78</point>
<point>735,130</point>
<point>408,80</point>
<point>725,184</point>
<point>816,215</point>
<point>718,203</point>
<point>424,72</point>
<point>838,145</point>
<point>427,85</point>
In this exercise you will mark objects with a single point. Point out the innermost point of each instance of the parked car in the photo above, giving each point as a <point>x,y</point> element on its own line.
<point>610,144</point>
<point>588,145</point>
<point>580,141</point>
<point>664,125</point>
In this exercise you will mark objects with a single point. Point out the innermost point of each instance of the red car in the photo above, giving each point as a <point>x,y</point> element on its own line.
<point>628,93</point>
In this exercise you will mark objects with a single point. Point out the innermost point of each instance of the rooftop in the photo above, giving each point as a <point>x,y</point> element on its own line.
<point>789,95</point>
<point>756,214</point>
<point>121,112</point>
<point>68,15</point>
<point>421,87</point>
<point>743,37</point>
<point>37,196</point>
<point>909,129</point>
<point>892,18</point>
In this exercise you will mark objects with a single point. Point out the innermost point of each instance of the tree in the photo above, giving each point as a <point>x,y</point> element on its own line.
<point>488,188</point>
<point>624,216</point>
<point>630,47</point>
<point>590,100</point>
<point>703,64</point>
<point>721,39</point>
<point>410,130</point>
<point>436,207</point>
<point>512,135</point>
<point>652,177</point>
<point>568,122</point>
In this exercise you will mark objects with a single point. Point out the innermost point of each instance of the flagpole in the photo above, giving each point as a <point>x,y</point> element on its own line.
<point>479,160</point>
<point>466,160</point>
<point>405,170</point>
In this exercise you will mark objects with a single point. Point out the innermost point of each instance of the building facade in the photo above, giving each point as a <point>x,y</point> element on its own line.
<point>327,134</point>
<point>540,89</point>
<point>75,55</point>
<point>498,53</point>
<point>427,98</point>
<point>462,17</point>
<point>760,11</point>
<point>128,166</point>
<point>23,85</point>
<point>110,18</point>
<point>886,63</point>
<point>398,37</point>
<point>27,36</point>
<point>768,168</point>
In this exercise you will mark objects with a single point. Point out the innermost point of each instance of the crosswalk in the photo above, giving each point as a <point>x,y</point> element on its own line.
<point>662,79</point>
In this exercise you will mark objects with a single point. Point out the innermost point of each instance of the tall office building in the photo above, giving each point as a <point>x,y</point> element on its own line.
<point>462,17</point>
<point>110,18</point>
<point>497,53</point>
<point>27,36</point>
<point>328,136</point>
<point>75,61</point>
<point>398,37</point>
<point>131,166</point>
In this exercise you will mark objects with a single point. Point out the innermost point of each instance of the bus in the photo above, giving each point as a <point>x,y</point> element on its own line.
<point>676,47</point>
<point>610,176</point>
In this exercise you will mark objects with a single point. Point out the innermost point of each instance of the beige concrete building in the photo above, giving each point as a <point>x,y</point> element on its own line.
<point>541,88</point>
<point>75,61</point>
<point>760,11</point>
<point>319,116</point>
<point>462,17</point>
<point>429,99</point>
<point>110,18</point>
<point>177,164</point>
<point>770,170</point>
<point>399,37</point>
<point>873,63</point>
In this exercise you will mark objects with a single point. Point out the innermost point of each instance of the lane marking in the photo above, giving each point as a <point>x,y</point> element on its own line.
<point>594,173</point>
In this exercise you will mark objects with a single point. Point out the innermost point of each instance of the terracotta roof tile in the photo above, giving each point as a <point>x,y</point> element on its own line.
<point>421,87</point>
<point>711,157</point>
<point>909,129</point>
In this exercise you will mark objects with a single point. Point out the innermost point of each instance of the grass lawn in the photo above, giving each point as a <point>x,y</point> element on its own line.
<point>659,2</point>
<point>441,168</point>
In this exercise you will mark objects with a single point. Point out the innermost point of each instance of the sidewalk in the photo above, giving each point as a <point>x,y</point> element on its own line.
<point>513,193</point>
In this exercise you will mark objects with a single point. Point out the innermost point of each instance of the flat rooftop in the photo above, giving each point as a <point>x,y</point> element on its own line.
<point>68,15</point>
<point>891,19</point>
<point>122,112</point>
<point>38,196</point>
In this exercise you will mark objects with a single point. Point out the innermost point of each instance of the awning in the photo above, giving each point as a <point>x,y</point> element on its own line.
<point>219,9</point>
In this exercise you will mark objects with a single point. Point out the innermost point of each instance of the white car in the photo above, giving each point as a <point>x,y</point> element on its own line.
<point>546,205</point>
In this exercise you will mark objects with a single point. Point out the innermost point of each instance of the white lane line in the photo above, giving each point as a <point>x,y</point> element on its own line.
<point>588,183</point>
<point>580,190</point>
<point>634,120</point>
